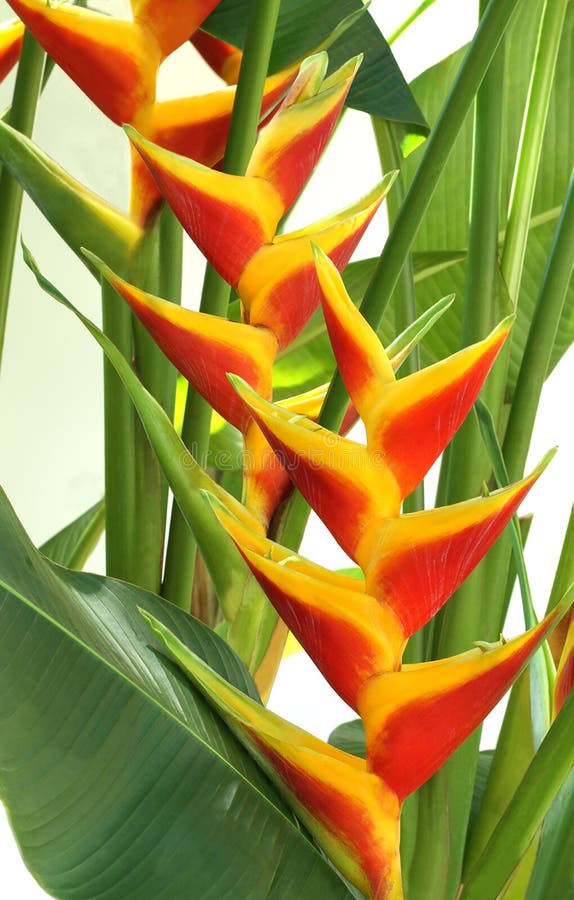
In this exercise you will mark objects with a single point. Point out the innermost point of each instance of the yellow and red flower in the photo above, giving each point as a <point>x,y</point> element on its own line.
<point>11,36</point>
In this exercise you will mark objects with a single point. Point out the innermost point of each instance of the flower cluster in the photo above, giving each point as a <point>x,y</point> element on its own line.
<point>115,63</point>
<point>355,630</point>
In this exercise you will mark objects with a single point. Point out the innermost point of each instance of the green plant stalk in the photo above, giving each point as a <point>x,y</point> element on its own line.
<point>532,800</point>
<point>119,447</point>
<point>180,557</point>
<point>541,337</point>
<point>22,114</point>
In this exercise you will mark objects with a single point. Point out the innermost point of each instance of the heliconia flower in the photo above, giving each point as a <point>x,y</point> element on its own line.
<point>204,347</point>
<point>414,719</point>
<point>194,127</point>
<point>416,561</point>
<point>233,219</point>
<point>223,58</point>
<point>114,62</point>
<point>565,670</point>
<point>350,812</point>
<point>408,423</point>
<point>11,36</point>
<point>347,633</point>
<point>253,540</point>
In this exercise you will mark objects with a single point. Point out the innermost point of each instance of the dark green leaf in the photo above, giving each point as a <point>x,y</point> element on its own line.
<point>303,25</point>
<point>72,546</point>
<point>117,777</point>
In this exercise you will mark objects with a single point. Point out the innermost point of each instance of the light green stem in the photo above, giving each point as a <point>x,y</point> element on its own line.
<point>119,447</point>
<point>180,559</point>
<point>22,115</point>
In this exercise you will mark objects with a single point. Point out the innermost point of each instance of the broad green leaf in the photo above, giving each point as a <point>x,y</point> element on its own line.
<point>445,225</point>
<point>350,737</point>
<point>379,88</point>
<point>117,777</point>
<point>72,546</point>
<point>236,588</point>
<point>81,218</point>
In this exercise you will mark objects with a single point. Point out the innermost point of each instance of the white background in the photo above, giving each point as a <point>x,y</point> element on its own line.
<point>50,392</point>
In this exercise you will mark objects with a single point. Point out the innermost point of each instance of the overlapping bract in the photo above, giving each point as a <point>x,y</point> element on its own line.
<point>234,221</point>
<point>115,63</point>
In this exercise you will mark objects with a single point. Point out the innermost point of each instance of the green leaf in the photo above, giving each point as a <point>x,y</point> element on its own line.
<point>72,546</point>
<point>237,590</point>
<point>445,225</point>
<point>379,88</point>
<point>533,798</point>
<point>553,872</point>
<point>350,737</point>
<point>117,777</point>
<point>81,218</point>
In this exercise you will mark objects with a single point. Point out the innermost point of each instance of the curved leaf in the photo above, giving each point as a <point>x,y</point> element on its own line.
<point>117,777</point>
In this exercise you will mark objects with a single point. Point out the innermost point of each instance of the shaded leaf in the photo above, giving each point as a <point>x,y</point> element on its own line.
<point>379,89</point>
<point>116,775</point>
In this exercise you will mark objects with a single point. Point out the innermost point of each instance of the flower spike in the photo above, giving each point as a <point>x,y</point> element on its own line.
<point>112,61</point>
<point>11,36</point>
<point>204,347</point>
<point>347,634</point>
<point>414,719</point>
<point>351,814</point>
<point>415,562</point>
<point>339,478</point>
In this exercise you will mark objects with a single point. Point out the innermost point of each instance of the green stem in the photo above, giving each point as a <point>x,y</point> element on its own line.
<point>541,337</point>
<point>119,450</point>
<point>22,114</point>
<point>526,811</point>
<point>180,558</point>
